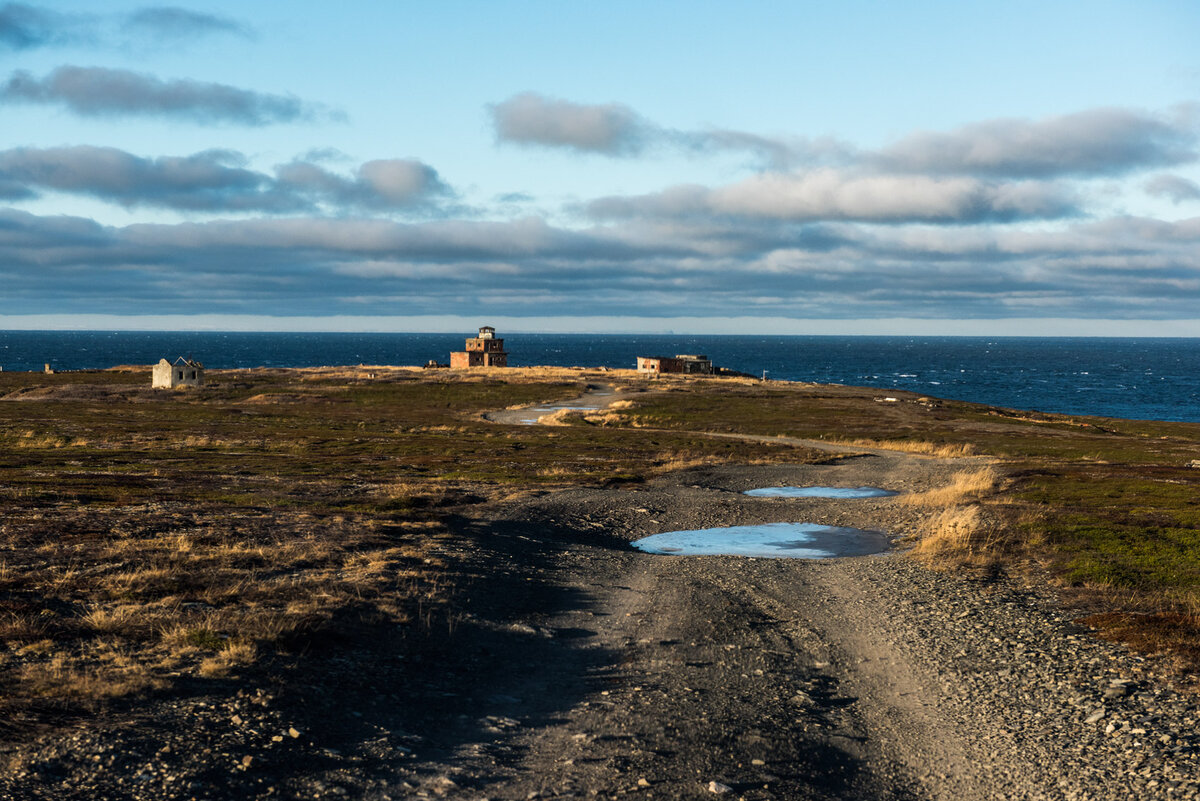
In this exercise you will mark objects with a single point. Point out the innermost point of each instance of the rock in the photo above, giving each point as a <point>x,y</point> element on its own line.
<point>1095,716</point>
<point>718,788</point>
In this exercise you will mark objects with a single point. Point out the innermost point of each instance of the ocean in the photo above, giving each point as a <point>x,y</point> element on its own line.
<point>1151,379</point>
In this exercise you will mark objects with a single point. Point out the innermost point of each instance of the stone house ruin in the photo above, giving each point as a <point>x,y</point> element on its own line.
<point>482,351</point>
<point>182,373</point>
<point>685,363</point>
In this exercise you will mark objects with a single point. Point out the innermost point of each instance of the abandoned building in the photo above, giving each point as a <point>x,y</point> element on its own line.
<point>685,363</point>
<point>182,373</point>
<point>482,351</point>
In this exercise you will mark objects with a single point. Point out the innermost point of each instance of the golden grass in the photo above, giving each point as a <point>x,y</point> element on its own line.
<point>957,529</point>
<point>562,417</point>
<point>201,599</point>
<point>964,486</point>
<point>954,532</point>
<point>109,672</point>
<point>940,451</point>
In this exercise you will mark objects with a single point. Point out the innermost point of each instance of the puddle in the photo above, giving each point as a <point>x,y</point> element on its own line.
<point>773,540</point>
<point>820,492</point>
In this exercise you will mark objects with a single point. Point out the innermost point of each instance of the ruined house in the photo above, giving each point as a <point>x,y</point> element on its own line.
<point>685,363</point>
<point>482,351</point>
<point>181,373</point>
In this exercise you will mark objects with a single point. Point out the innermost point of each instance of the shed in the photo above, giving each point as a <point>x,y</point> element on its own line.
<point>180,373</point>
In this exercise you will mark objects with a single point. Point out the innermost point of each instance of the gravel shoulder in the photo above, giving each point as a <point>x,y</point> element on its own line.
<point>575,666</point>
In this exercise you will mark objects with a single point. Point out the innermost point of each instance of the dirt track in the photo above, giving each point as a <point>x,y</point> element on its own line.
<point>855,678</point>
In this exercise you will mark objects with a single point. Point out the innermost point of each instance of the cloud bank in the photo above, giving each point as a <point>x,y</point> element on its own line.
<point>1098,142</point>
<point>1122,268</point>
<point>999,219</point>
<point>832,195</point>
<point>218,181</point>
<point>102,92</point>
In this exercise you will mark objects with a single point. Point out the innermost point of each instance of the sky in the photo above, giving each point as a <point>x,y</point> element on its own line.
<point>934,168</point>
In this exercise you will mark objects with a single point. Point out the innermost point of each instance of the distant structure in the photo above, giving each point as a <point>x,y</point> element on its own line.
<point>685,363</point>
<point>482,351</point>
<point>182,373</point>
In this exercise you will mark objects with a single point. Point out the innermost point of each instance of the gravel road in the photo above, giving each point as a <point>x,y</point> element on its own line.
<point>853,678</point>
<point>577,667</point>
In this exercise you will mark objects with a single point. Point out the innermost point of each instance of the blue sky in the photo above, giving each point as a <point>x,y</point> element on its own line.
<point>858,167</point>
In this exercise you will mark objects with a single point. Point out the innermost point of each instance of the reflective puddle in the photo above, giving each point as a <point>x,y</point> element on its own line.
<point>774,540</point>
<point>593,401</point>
<point>820,492</point>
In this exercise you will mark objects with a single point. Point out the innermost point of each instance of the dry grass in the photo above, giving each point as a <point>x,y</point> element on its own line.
<point>611,419</point>
<point>940,451</point>
<point>562,417</point>
<point>967,485</point>
<point>956,533</point>
<point>957,528</point>
<point>213,595</point>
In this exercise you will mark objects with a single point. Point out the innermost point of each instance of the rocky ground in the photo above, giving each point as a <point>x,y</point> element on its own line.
<point>576,667</point>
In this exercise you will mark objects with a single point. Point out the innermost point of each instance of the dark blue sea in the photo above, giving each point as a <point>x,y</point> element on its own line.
<point>1152,379</point>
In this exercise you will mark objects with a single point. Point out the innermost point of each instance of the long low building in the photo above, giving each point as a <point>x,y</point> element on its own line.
<point>684,363</point>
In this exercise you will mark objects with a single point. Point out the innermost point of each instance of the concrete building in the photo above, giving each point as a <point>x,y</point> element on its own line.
<point>685,363</point>
<point>482,351</point>
<point>182,373</point>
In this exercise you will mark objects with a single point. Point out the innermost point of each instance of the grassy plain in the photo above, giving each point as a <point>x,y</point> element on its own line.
<point>152,540</point>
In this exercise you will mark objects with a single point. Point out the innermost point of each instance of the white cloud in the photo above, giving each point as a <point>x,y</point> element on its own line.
<point>831,194</point>
<point>1096,142</point>
<point>533,119</point>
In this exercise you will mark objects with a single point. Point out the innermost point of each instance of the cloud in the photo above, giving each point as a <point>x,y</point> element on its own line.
<point>830,194</point>
<point>1101,142</point>
<point>217,181</point>
<point>23,27</point>
<point>613,129</point>
<point>775,153</point>
<point>1123,267</point>
<point>1173,187</point>
<point>1097,142</point>
<point>533,119</point>
<point>102,92</point>
<point>180,24</point>
<point>379,184</point>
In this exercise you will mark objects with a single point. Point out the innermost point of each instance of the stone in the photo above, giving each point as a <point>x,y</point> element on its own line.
<point>1095,716</point>
<point>718,788</point>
